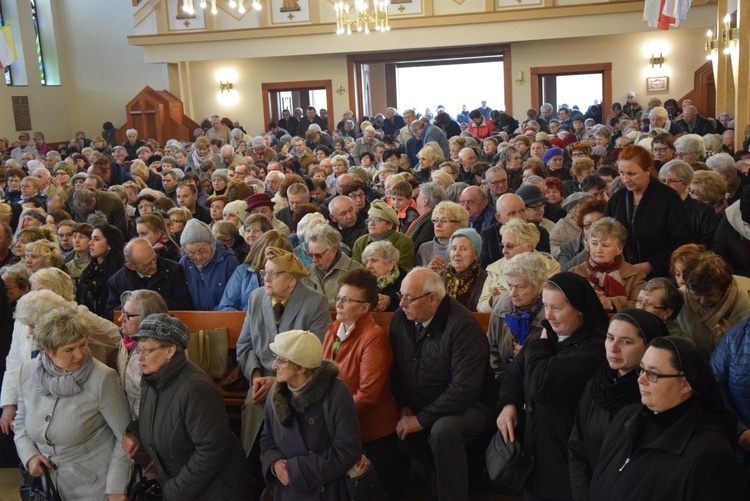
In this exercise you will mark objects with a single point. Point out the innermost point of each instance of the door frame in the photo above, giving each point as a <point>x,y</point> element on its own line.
<point>537,72</point>
<point>270,89</point>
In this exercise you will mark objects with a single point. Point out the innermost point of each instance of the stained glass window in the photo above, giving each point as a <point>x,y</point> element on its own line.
<point>39,55</point>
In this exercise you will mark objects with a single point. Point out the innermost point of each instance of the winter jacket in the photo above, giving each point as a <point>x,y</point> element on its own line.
<point>632,279</point>
<point>404,244</point>
<point>732,240</point>
<point>207,286</point>
<point>184,428</point>
<point>572,254</point>
<point>703,221</point>
<point>428,251</point>
<point>242,282</point>
<point>296,430</point>
<point>501,338</point>
<point>327,282</point>
<point>659,226</point>
<point>92,286</point>
<point>169,281</point>
<point>421,230</point>
<point>496,279</point>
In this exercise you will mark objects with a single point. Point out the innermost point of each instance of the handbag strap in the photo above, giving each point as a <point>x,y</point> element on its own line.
<point>50,491</point>
<point>327,417</point>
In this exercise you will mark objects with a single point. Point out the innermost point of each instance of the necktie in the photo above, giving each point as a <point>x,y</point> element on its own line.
<point>278,310</point>
<point>420,329</point>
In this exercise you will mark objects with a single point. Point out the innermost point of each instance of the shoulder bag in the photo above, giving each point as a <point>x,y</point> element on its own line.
<point>209,350</point>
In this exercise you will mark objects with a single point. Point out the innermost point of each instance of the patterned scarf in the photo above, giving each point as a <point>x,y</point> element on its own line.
<point>457,284</point>
<point>161,244</point>
<point>388,279</point>
<point>713,315</point>
<point>606,277</point>
<point>49,379</point>
<point>416,224</point>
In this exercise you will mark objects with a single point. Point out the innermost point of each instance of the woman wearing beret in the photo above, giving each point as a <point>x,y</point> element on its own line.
<point>301,460</point>
<point>182,422</point>
<point>464,276</point>
<point>382,224</point>
<point>553,159</point>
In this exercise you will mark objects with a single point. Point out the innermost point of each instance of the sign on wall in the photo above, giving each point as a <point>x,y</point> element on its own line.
<point>290,11</point>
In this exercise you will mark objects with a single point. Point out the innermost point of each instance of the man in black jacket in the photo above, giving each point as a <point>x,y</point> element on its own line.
<point>187,196</point>
<point>311,117</point>
<point>441,380</point>
<point>145,270</point>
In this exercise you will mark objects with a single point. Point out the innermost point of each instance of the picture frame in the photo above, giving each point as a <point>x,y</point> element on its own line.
<point>657,84</point>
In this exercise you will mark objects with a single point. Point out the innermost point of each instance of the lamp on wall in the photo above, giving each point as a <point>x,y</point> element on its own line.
<point>520,80</point>
<point>712,44</point>
<point>189,5</point>
<point>361,16</point>
<point>728,33</point>
<point>226,86</point>
<point>339,89</point>
<point>656,60</point>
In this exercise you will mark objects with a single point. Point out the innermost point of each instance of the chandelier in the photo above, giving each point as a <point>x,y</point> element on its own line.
<point>361,16</point>
<point>189,6</point>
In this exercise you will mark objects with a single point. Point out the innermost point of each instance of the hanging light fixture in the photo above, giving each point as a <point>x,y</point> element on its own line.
<point>188,6</point>
<point>361,16</point>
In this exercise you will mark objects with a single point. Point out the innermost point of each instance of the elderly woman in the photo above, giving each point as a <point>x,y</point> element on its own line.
<point>613,386</point>
<point>554,189</point>
<point>81,258</point>
<point>615,281</point>
<point>447,217</point>
<point>518,237</point>
<point>442,178</point>
<point>659,296</point>
<point>363,353</point>
<point>517,314</point>
<point>553,159</point>
<point>182,422</point>
<point>678,175</point>
<point>43,254</point>
<point>422,229</point>
<point>307,462</point>
<point>246,277</point>
<point>713,301</point>
<point>227,232</point>
<point>567,228</point>
<point>328,262</point>
<point>152,228</point>
<point>662,147</point>
<point>655,217</point>
<point>136,306</point>
<point>106,251</point>
<point>381,260</point>
<point>464,276</point>
<point>710,188</point>
<point>64,380</point>
<point>208,264</point>
<point>549,376</point>
<point>677,441</point>
<point>382,224</point>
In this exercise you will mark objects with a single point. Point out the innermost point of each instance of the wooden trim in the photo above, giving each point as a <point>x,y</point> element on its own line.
<point>703,80</point>
<point>605,69</point>
<point>508,79</point>
<point>268,90</point>
<point>391,96</point>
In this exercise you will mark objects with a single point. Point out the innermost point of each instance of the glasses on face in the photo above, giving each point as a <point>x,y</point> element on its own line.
<point>356,196</point>
<point>315,255</point>
<point>410,300</point>
<point>374,220</point>
<point>147,351</point>
<point>279,360</point>
<point>198,253</point>
<point>127,316</point>
<point>273,275</point>
<point>177,221</point>
<point>347,300</point>
<point>645,305</point>
<point>659,150</point>
<point>577,154</point>
<point>653,377</point>
<point>498,183</point>
<point>683,154</point>
<point>145,206</point>
<point>443,221</point>
<point>538,206</point>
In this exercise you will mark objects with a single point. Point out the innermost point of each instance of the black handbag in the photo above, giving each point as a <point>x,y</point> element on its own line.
<point>38,488</point>
<point>507,465</point>
<point>364,486</point>
<point>141,488</point>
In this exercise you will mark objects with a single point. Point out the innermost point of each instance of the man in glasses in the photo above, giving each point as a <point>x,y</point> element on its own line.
<point>441,379</point>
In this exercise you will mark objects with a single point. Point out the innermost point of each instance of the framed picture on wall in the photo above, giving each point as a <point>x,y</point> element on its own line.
<point>657,84</point>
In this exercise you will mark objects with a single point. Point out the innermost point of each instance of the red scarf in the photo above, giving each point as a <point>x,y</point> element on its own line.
<point>606,278</point>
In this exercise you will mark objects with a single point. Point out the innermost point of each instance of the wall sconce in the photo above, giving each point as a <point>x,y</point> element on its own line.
<point>712,44</point>
<point>656,60</point>
<point>339,89</point>
<point>520,80</point>
<point>728,33</point>
<point>226,86</point>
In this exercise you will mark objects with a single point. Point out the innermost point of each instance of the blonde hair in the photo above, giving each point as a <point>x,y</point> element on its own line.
<point>609,227</point>
<point>453,211</point>
<point>183,211</point>
<point>48,250</point>
<point>61,326</point>
<point>55,280</point>
<point>27,309</point>
<point>527,233</point>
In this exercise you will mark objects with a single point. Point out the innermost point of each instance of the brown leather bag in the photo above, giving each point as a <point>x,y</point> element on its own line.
<point>209,350</point>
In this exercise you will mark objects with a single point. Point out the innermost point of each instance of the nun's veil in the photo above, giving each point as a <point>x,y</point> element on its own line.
<point>582,297</point>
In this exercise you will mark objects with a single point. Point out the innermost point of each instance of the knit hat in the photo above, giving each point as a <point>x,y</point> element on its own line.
<point>541,136</point>
<point>65,167</point>
<point>164,327</point>
<point>299,347</point>
<point>361,173</point>
<point>578,118</point>
<point>631,94</point>
<point>443,176</point>
<point>383,211</point>
<point>236,207</point>
<point>530,194</point>
<point>286,261</point>
<point>258,200</point>
<point>557,142</point>
<point>472,235</point>
<point>308,222</point>
<point>196,231</point>
<point>574,199</point>
<point>80,175</point>
<point>222,173</point>
<point>551,153</point>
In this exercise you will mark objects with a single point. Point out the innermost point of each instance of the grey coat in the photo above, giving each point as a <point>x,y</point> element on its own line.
<point>327,282</point>
<point>80,434</point>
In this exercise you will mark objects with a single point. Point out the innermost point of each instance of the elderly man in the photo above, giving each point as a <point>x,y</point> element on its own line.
<point>187,196</point>
<point>283,303</point>
<point>497,180</point>
<point>229,157</point>
<point>404,134</point>
<point>724,164</point>
<point>345,220</point>
<point>52,158</point>
<point>393,122</point>
<point>693,123</point>
<point>296,195</point>
<point>382,224</point>
<point>39,171</point>
<point>329,264</point>
<point>89,201</point>
<point>468,158</point>
<point>365,144</point>
<point>481,214</point>
<point>690,148</point>
<point>508,206</point>
<point>424,133</point>
<point>23,147</point>
<point>132,143</point>
<point>145,270</point>
<point>441,380</point>
<point>261,203</point>
<point>218,130</point>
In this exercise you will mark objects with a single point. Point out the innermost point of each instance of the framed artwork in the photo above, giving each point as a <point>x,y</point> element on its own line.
<point>657,84</point>
<point>179,20</point>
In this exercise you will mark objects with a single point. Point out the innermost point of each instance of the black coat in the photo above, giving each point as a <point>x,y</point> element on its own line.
<point>690,460</point>
<point>169,281</point>
<point>92,290</point>
<point>733,247</point>
<point>492,244</point>
<point>352,234</point>
<point>703,221</point>
<point>702,126</point>
<point>659,226</point>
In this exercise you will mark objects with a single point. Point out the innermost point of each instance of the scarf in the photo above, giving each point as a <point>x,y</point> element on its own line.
<point>712,316</point>
<point>388,279</point>
<point>199,160</point>
<point>606,277</point>
<point>611,392</point>
<point>48,379</point>
<point>161,244</point>
<point>458,284</point>
<point>417,223</point>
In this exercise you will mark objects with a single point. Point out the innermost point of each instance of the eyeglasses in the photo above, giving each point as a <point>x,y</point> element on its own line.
<point>374,220</point>
<point>659,150</point>
<point>645,305</point>
<point>443,221</point>
<point>409,300</point>
<point>199,252</point>
<point>177,221</point>
<point>497,183</point>
<point>145,206</point>
<point>667,180</point>
<point>684,154</point>
<point>273,275</point>
<point>538,206</point>
<point>315,255</point>
<point>147,351</point>
<point>279,361</point>
<point>654,377</point>
<point>694,193</point>
<point>356,196</point>
<point>127,316</point>
<point>347,300</point>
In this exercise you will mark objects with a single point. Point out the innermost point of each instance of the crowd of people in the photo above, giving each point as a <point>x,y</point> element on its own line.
<point>611,253</point>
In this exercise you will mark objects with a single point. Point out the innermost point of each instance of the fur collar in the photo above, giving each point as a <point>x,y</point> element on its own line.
<point>285,405</point>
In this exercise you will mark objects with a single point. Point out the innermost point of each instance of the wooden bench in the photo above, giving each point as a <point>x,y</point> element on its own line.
<point>233,320</point>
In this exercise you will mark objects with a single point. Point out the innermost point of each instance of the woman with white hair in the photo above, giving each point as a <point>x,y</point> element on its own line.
<point>659,119</point>
<point>381,259</point>
<point>307,223</point>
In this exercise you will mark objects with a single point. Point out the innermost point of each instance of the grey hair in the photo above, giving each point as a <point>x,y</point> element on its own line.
<point>135,242</point>
<point>384,249</point>
<point>324,234</point>
<point>35,166</point>
<point>723,163</point>
<point>454,191</point>
<point>56,280</point>
<point>492,171</point>
<point>236,133</point>
<point>27,309</point>
<point>504,155</point>
<point>433,192</point>
<point>170,160</point>
<point>659,111</point>
<point>19,273</point>
<point>527,233</point>
<point>433,283</point>
<point>298,189</point>
<point>712,143</point>
<point>147,302</point>
<point>546,106</point>
<point>673,298</point>
<point>177,174</point>
<point>692,143</point>
<point>678,168</point>
<point>528,265</point>
<point>131,131</point>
